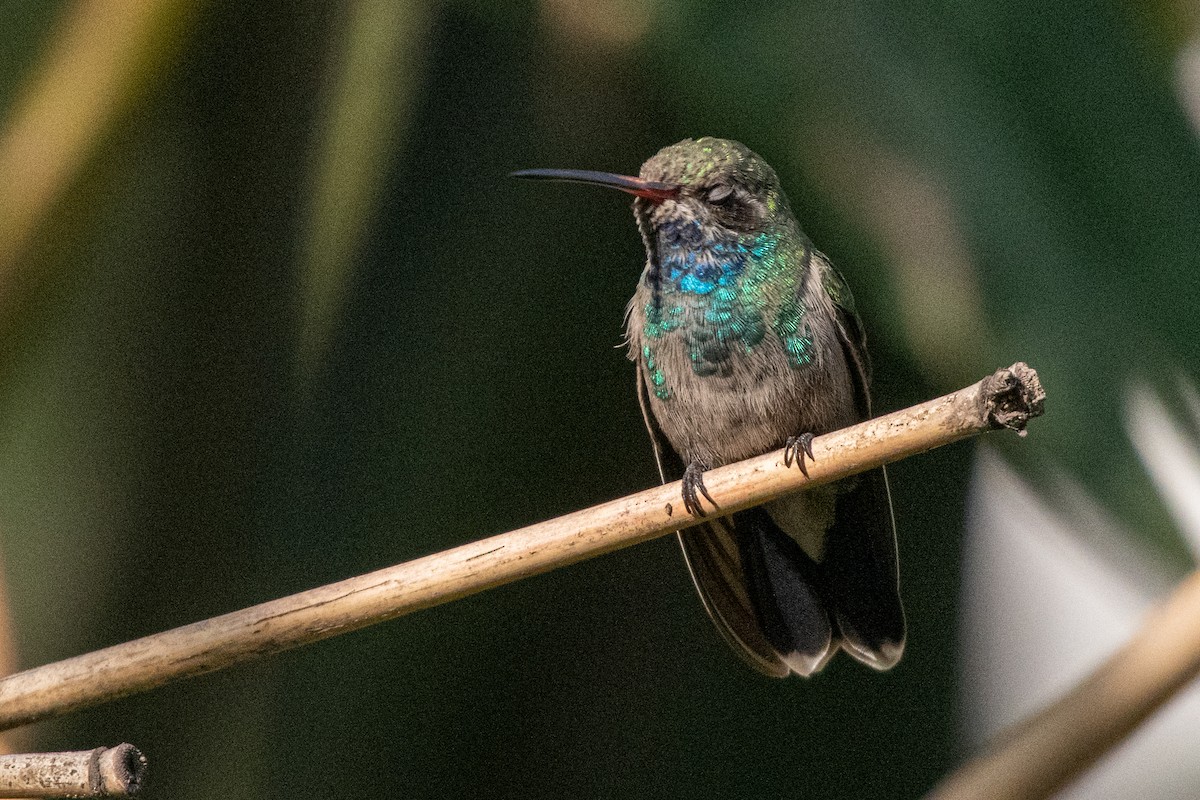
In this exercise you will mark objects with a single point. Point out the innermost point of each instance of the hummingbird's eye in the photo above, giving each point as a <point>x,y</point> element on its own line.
<point>719,193</point>
<point>733,207</point>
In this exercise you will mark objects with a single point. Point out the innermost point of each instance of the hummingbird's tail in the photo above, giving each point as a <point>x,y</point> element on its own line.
<point>862,574</point>
<point>788,611</point>
<point>787,591</point>
<point>806,608</point>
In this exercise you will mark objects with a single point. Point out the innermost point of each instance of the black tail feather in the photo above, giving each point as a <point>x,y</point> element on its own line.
<point>787,589</point>
<point>861,575</point>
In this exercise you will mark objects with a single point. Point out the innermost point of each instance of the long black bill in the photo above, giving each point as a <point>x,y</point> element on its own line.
<point>651,190</point>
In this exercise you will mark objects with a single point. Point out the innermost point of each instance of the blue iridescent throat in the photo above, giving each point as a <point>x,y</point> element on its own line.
<point>714,292</point>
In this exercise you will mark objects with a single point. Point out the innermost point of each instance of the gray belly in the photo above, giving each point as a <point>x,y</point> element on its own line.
<point>753,405</point>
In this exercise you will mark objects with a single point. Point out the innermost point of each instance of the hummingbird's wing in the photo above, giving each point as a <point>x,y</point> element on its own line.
<point>860,561</point>
<point>713,559</point>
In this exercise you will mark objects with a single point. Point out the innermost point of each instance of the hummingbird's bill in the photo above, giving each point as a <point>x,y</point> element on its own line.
<point>651,190</point>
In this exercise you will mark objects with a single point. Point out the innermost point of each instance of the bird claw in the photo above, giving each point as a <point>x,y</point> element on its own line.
<point>693,488</point>
<point>796,449</point>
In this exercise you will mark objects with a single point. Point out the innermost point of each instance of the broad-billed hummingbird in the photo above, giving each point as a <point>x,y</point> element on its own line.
<point>746,340</point>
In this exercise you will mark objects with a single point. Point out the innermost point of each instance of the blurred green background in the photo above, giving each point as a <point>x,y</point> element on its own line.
<point>272,315</point>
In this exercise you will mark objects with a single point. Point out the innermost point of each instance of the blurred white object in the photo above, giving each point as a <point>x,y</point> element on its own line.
<point>1050,590</point>
<point>1169,453</point>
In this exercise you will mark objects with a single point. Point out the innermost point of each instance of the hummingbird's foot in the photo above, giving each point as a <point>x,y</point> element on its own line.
<point>693,488</point>
<point>795,450</point>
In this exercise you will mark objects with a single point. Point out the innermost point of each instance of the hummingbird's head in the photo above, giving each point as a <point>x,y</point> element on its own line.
<point>720,184</point>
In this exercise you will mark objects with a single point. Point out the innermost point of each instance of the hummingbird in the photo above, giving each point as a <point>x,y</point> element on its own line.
<point>746,340</point>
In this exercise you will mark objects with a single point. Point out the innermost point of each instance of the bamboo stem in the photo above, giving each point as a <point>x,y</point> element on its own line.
<point>1009,398</point>
<point>1036,758</point>
<point>103,772</point>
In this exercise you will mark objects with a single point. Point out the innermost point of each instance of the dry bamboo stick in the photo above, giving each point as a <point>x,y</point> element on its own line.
<point>1006,399</point>
<point>1036,758</point>
<point>103,772</point>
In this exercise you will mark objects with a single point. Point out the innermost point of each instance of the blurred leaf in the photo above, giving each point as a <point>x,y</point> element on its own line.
<point>367,98</point>
<point>100,61</point>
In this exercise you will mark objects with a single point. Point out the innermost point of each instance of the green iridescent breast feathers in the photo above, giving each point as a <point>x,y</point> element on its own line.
<point>727,260</point>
